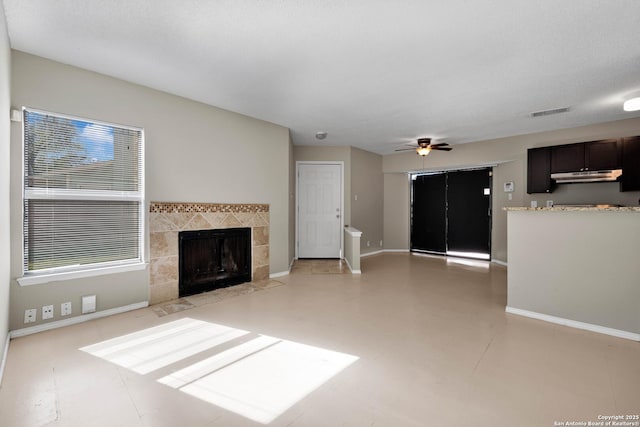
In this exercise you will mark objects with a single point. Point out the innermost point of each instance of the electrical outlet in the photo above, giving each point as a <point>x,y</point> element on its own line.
<point>65,308</point>
<point>47,312</point>
<point>30,315</point>
<point>368,243</point>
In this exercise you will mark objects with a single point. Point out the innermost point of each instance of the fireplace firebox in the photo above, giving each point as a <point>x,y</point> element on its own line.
<point>213,259</point>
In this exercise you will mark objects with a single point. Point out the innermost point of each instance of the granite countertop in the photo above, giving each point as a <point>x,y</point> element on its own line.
<point>576,209</point>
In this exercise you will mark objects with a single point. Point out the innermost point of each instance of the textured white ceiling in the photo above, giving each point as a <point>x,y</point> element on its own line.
<point>373,74</point>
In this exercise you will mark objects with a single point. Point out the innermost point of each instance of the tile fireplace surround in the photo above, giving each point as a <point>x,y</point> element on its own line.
<point>167,219</point>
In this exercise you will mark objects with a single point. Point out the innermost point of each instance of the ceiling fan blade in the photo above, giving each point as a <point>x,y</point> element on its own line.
<point>440,144</point>
<point>441,148</point>
<point>405,149</point>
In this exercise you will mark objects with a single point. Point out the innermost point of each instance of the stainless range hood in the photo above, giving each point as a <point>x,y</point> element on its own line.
<point>587,176</point>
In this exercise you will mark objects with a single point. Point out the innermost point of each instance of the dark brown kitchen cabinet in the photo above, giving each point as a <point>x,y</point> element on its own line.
<point>602,155</point>
<point>630,180</point>
<point>567,158</point>
<point>539,170</point>
<point>593,155</point>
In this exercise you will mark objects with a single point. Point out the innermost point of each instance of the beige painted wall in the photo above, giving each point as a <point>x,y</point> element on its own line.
<point>504,172</point>
<point>5,107</point>
<point>509,154</point>
<point>367,181</point>
<point>396,211</point>
<point>555,269</point>
<point>194,153</point>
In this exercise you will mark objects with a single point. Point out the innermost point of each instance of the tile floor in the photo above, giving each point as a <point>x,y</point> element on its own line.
<point>320,266</point>
<point>413,341</point>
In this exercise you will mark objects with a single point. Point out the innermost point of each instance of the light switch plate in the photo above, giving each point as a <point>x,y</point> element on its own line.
<point>88,304</point>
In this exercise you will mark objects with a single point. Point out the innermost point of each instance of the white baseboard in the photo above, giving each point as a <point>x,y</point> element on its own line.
<point>397,250</point>
<point>280,274</point>
<point>574,324</point>
<point>283,273</point>
<point>4,357</point>
<point>78,319</point>
<point>497,261</point>
<point>372,253</point>
<point>351,269</point>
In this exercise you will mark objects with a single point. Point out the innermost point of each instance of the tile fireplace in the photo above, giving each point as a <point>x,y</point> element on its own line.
<point>168,219</point>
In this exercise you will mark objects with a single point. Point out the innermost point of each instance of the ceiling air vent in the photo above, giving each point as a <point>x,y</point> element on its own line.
<point>550,112</point>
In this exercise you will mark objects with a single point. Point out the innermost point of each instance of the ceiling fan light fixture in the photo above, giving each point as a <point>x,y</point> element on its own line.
<point>632,104</point>
<point>423,151</point>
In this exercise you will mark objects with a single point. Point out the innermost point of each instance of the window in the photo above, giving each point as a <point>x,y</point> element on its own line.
<point>83,194</point>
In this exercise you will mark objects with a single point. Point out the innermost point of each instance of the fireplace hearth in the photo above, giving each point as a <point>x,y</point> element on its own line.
<point>213,259</point>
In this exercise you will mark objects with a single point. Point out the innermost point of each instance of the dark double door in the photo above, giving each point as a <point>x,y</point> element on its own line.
<point>451,213</point>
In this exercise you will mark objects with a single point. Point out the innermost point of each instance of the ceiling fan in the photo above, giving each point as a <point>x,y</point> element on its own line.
<point>424,147</point>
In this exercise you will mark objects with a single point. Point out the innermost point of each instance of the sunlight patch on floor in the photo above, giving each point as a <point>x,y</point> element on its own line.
<point>157,347</point>
<point>259,379</point>
<point>476,255</point>
<point>483,265</point>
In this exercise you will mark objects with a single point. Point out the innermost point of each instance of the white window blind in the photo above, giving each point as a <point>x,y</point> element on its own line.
<point>83,193</point>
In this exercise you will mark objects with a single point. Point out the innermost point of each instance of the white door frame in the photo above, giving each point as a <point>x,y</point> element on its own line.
<point>306,162</point>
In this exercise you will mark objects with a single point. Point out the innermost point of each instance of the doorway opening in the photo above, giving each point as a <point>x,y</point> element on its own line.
<point>319,209</point>
<point>451,213</point>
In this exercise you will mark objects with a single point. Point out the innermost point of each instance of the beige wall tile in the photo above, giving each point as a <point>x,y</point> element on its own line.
<point>180,220</point>
<point>260,236</point>
<point>159,222</point>
<point>216,219</point>
<point>261,273</point>
<point>262,219</point>
<point>163,292</point>
<point>231,221</point>
<point>164,270</point>
<point>198,222</point>
<point>261,255</point>
<point>245,218</point>
<point>163,244</point>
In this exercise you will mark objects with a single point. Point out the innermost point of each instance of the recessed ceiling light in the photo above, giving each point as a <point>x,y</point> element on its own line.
<point>321,135</point>
<point>632,104</point>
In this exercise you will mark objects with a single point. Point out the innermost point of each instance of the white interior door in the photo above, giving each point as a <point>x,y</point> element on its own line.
<point>319,210</point>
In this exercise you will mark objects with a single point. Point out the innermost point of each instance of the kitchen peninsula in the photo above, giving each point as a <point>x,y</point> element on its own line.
<point>576,266</point>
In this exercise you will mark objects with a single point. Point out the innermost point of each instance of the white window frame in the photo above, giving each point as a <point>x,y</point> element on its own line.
<point>87,270</point>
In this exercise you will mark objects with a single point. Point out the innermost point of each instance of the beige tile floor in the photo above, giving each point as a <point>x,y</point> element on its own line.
<point>434,348</point>
<point>320,266</point>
